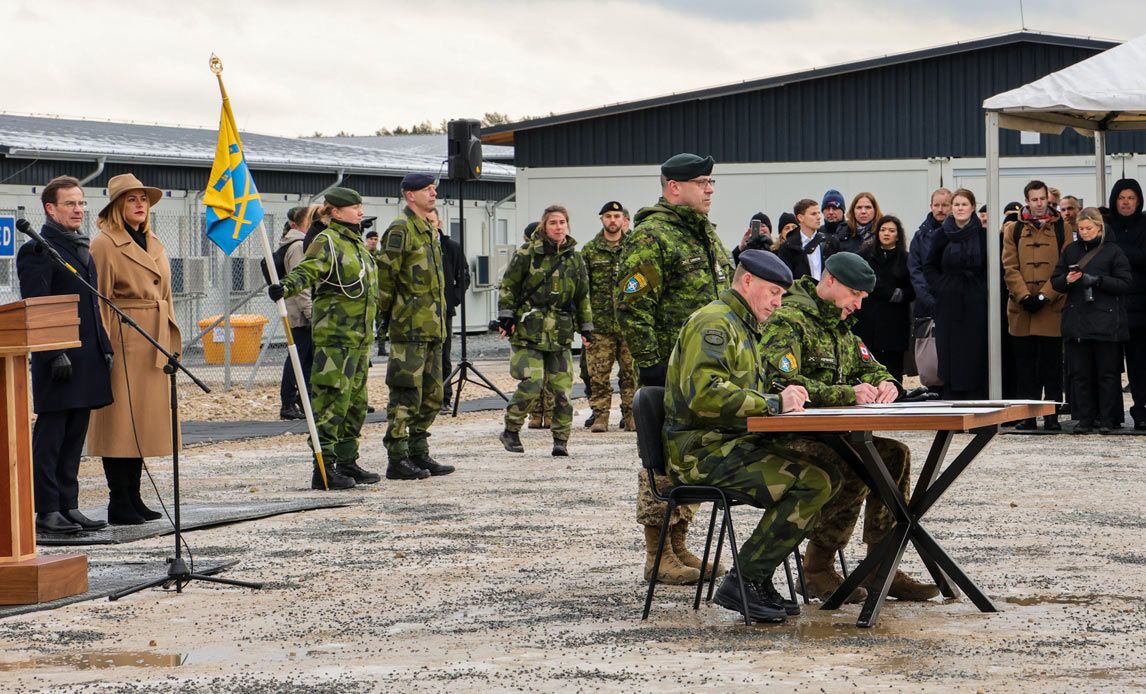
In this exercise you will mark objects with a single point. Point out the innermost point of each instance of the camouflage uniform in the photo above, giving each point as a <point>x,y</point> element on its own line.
<point>413,304</point>
<point>805,343</point>
<point>344,304</point>
<point>672,263</point>
<point>715,381</point>
<point>546,318</point>
<point>609,345</point>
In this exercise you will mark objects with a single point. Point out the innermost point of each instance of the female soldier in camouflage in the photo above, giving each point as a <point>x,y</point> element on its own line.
<point>544,297</point>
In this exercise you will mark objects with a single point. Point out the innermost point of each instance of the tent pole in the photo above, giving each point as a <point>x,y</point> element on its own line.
<point>1099,168</point>
<point>994,263</point>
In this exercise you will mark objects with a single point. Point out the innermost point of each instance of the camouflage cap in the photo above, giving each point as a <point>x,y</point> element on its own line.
<point>685,167</point>
<point>850,269</point>
<point>767,266</point>
<point>343,197</point>
<point>611,206</point>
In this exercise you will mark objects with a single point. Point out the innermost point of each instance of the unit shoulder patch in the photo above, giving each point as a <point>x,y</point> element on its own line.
<point>714,337</point>
<point>787,363</point>
<point>396,239</point>
<point>641,281</point>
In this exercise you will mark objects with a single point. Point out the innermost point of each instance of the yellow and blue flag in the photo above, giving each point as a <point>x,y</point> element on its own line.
<point>234,208</point>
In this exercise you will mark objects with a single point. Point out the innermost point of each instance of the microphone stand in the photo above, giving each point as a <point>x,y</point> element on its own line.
<point>177,571</point>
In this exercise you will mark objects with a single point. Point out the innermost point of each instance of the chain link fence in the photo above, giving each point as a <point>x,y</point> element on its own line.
<point>232,333</point>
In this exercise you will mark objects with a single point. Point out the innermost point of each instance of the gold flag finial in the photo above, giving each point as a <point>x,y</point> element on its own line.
<point>215,64</point>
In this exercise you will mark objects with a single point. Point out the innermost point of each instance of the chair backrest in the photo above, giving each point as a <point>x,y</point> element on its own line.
<point>649,412</point>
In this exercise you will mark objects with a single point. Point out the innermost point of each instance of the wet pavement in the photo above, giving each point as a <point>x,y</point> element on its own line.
<point>522,573</point>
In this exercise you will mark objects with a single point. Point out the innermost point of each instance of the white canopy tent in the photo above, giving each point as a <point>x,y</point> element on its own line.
<point>1102,93</point>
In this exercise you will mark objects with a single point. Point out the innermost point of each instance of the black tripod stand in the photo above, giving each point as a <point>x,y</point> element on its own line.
<point>464,365</point>
<point>177,571</point>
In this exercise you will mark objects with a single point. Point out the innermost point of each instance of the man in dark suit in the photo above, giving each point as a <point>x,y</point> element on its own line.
<point>67,384</point>
<point>456,272</point>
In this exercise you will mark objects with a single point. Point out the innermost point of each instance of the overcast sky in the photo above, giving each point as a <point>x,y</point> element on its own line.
<point>293,68</point>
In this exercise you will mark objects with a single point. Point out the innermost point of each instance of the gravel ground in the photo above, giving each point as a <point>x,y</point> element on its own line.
<point>522,572</point>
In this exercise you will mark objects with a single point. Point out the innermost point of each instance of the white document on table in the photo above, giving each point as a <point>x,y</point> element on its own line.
<point>903,409</point>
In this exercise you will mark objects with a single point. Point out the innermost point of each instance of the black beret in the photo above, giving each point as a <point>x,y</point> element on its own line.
<point>852,270</point>
<point>343,197</point>
<point>612,206</point>
<point>763,219</point>
<point>767,266</point>
<point>685,167</point>
<point>416,181</point>
<point>1013,207</point>
<point>373,233</point>
<point>295,214</point>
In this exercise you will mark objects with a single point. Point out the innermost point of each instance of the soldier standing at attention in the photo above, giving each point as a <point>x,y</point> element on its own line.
<point>808,342</point>
<point>544,297</point>
<point>672,263</point>
<point>602,256</point>
<point>715,381</point>
<point>413,308</point>
<point>344,301</point>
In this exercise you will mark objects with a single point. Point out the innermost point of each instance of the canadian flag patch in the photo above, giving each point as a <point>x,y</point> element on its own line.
<point>864,352</point>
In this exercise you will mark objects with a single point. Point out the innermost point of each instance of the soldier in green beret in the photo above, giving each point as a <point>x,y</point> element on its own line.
<point>808,342</point>
<point>345,298</point>
<point>413,315</point>
<point>715,382</point>
<point>672,263</point>
<point>544,298</point>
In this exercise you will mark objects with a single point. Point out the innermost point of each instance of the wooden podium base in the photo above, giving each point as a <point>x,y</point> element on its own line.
<point>43,578</point>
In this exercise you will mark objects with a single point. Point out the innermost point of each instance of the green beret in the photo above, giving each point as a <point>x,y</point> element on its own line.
<point>343,197</point>
<point>685,167</point>
<point>852,270</point>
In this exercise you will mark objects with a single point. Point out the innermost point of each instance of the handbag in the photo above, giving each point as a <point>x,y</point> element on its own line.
<point>926,356</point>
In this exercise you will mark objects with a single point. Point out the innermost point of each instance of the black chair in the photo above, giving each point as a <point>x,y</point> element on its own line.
<point>649,412</point>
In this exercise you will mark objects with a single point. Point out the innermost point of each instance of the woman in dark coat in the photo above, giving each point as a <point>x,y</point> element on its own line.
<point>1095,276</point>
<point>861,223</point>
<point>884,320</point>
<point>1126,226</point>
<point>956,271</point>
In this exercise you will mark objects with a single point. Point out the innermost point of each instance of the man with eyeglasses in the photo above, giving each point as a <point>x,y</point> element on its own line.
<point>67,384</point>
<point>671,264</point>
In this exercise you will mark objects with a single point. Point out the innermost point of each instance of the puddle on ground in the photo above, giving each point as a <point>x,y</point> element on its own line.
<point>99,660</point>
<point>1053,600</point>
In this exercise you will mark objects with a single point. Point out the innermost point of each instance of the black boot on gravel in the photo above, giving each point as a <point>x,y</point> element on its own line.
<point>359,475</point>
<point>334,478</point>
<point>560,447</point>
<point>511,441</point>
<point>759,608</point>
<point>405,469</point>
<point>424,461</point>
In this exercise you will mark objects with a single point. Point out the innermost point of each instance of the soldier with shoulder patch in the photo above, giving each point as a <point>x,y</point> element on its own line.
<point>345,299</point>
<point>413,308</point>
<point>671,264</point>
<point>808,342</point>
<point>715,381</point>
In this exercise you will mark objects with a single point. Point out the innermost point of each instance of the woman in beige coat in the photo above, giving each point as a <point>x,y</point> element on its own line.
<point>135,274</point>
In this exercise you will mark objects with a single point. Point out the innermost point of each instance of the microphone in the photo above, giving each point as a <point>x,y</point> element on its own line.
<point>27,230</point>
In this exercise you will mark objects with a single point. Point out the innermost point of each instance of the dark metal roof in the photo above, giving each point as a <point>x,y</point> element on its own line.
<point>504,134</point>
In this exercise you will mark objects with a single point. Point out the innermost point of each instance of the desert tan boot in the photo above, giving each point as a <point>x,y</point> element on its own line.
<point>821,576</point>
<point>678,533</point>
<point>671,570</point>
<point>600,423</point>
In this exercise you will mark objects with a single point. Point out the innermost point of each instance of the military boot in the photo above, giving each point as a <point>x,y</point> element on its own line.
<point>671,570</point>
<point>405,469</point>
<point>356,473</point>
<point>627,422</point>
<point>424,461</point>
<point>334,478</point>
<point>904,587</point>
<point>560,447</point>
<point>763,605</point>
<point>677,534</point>
<point>511,441</point>
<point>600,423</point>
<point>821,576</point>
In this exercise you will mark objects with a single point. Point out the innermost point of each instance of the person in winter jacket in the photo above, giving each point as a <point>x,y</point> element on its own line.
<point>1094,275</point>
<point>956,272</point>
<point>862,214</point>
<point>883,322</point>
<point>806,248</point>
<point>921,246</point>
<point>1126,226</point>
<point>298,315</point>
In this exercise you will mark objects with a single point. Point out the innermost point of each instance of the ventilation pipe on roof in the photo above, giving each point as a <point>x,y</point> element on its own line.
<point>100,161</point>
<point>319,194</point>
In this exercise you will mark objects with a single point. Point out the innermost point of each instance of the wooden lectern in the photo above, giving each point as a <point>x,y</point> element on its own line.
<point>31,325</point>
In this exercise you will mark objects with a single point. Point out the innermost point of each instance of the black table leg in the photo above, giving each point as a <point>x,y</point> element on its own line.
<point>873,559</point>
<point>877,593</point>
<point>921,537</point>
<point>927,477</point>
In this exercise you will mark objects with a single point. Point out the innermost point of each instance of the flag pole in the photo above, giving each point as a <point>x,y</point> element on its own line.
<point>292,348</point>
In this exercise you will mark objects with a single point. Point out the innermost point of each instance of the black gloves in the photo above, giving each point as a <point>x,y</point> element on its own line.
<point>1031,303</point>
<point>507,324</point>
<point>1090,280</point>
<point>654,375</point>
<point>587,337</point>
<point>275,292</point>
<point>61,368</point>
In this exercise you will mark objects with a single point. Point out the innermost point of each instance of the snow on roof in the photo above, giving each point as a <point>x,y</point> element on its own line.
<point>433,144</point>
<point>42,137</point>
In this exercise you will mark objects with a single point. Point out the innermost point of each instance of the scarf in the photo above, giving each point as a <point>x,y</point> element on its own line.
<point>1037,222</point>
<point>137,235</point>
<point>80,243</point>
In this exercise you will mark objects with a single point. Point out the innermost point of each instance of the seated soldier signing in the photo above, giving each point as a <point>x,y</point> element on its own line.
<point>715,381</point>
<point>808,342</point>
